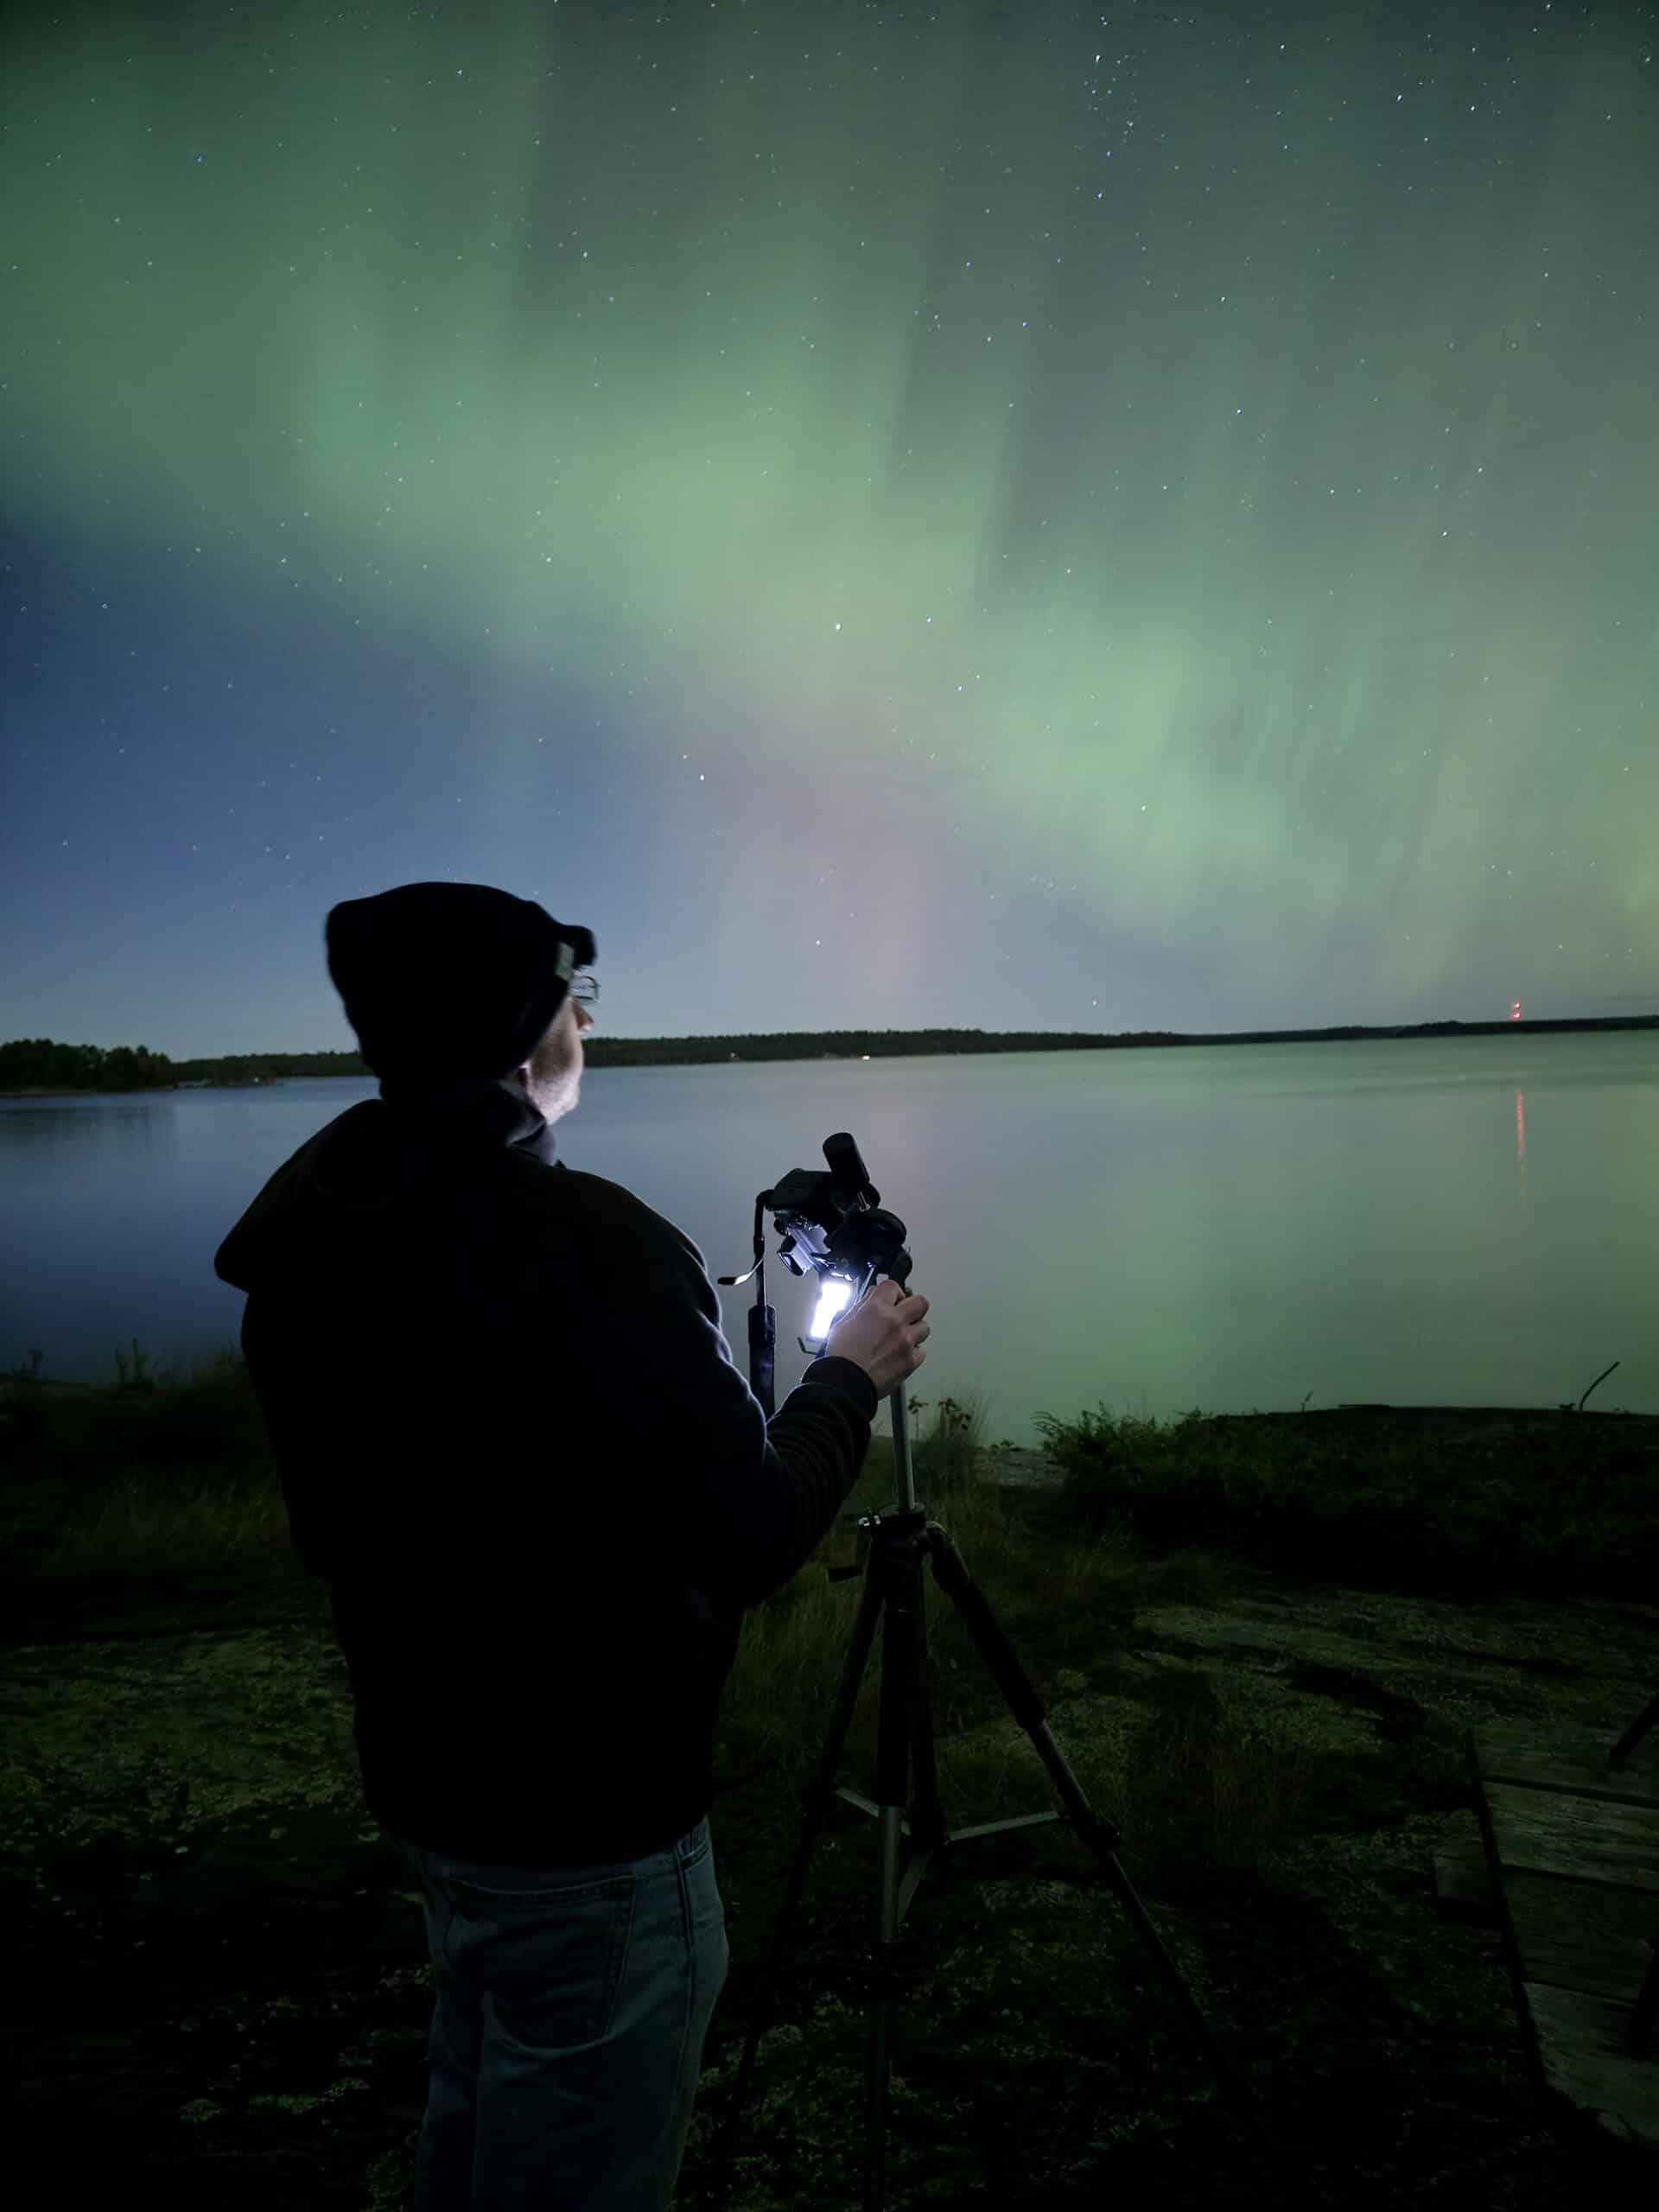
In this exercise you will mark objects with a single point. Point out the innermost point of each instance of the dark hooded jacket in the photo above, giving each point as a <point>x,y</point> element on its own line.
<point>512,1441</point>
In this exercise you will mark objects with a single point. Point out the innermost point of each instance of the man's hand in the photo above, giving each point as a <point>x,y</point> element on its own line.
<point>883,1334</point>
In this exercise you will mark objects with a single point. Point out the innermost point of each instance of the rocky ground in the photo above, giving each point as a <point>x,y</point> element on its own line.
<point>217,1992</point>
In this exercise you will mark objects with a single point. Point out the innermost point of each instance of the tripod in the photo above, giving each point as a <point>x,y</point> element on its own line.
<point>892,1549</point>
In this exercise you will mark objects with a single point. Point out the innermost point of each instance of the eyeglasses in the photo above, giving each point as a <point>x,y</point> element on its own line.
<point>584,989</point>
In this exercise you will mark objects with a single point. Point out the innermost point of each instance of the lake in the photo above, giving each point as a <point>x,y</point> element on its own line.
<point>1468,1221</point>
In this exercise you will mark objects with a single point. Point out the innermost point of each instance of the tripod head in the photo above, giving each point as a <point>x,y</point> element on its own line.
<point>832,1225</point>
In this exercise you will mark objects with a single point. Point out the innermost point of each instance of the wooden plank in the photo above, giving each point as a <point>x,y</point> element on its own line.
<point>1569,1756</point>
<point>1573,1846</point>
<point>1584,1838</point>
<point>1578,2041</point>
<point>1581,1935</point>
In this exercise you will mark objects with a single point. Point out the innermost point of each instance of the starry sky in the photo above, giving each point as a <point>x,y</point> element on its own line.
<point>1010,515</point>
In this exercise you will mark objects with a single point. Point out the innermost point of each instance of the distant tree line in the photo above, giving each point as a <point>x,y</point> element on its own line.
<point>40,1064</point>
<point>268,1067</point>
<point>843,1045</point>
<point>884,1044</point>
<point>37,1063</point>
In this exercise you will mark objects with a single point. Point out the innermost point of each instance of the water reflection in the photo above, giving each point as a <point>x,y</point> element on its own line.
<point>1229,1228</point>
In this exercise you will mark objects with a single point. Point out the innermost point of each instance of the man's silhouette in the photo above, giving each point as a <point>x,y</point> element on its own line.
<point>512,1441</point>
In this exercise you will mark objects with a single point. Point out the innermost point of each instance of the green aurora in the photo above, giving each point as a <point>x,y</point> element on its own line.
<point>1051,525</point>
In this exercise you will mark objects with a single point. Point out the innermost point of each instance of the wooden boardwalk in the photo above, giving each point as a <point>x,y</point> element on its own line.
<point>1567,1867</point>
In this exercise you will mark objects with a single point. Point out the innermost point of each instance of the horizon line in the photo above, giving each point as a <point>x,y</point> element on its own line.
<point>1649,1012</point>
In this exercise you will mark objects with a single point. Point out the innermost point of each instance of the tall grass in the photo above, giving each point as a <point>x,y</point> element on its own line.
<point>166,1469</point>
<point>173,1465</point>
<point>171,1469</point>
<point>1543,1506</point>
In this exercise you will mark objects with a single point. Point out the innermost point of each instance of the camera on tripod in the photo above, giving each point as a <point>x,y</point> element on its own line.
<point>833,1227</point>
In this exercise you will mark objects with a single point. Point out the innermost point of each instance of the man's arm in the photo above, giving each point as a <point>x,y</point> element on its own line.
<point>744,1504</point>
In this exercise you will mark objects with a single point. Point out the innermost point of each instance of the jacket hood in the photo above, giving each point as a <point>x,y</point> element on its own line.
<point>363,1168</point>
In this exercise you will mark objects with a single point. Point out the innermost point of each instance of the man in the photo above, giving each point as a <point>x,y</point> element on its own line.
<point>513,1440</point>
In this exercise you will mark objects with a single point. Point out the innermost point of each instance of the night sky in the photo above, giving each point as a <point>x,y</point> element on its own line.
<point>1007,516</point>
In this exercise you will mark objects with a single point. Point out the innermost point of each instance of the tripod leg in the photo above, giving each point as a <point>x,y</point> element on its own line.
<point>901,1636</point>
<point>819,1796</point>
<point>926,1814</point>
<point>1633,1735</point>
<point>1100,1837</point>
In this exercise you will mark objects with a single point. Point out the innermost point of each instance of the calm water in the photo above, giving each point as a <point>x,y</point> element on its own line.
<point>1421,1222</point>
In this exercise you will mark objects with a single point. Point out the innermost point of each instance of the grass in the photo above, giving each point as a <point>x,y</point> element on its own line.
<point>165,1480</point>
<point>1462,1506</point>
<point>160,1471</point>
<point>172,1468</point>
<point>123,1499</point>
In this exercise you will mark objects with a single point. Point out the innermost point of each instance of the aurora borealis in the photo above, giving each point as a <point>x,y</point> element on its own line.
<point>1002,516</point>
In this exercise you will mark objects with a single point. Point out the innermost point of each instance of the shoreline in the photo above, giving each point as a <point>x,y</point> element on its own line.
<point>866,1045</point>
<point>1029,1462</point>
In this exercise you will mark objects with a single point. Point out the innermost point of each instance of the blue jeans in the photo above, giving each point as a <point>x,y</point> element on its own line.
<point>568,2034</point>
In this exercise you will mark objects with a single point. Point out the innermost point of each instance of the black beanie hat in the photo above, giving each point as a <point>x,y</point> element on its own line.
<point>450,979</point>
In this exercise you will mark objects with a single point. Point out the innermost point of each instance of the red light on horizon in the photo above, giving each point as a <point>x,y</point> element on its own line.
<point>1514,1009</point>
